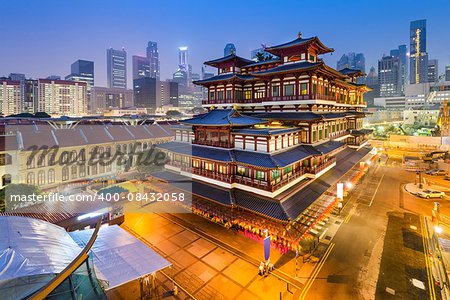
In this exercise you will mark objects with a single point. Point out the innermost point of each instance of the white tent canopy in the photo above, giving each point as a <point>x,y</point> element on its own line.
<point>119,257</point>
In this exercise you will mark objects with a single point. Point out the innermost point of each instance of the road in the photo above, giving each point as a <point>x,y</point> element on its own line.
<point>381,226</point>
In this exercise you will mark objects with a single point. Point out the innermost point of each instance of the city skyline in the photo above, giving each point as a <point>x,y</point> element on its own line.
<point>92,46</point>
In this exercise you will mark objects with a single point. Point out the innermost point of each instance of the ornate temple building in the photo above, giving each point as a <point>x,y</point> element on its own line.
<point>273,127</point>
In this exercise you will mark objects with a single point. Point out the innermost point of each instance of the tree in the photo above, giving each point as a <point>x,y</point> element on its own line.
<point>198,110</point>
<point>261,56</point>
<point>19,189</point>
<point>173,113</point>
<point>41,114</point>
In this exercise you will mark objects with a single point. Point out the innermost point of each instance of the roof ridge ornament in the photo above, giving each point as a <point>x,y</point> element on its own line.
<point>299,34</point>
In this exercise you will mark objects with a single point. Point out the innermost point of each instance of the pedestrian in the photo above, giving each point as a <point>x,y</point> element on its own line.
<point>261,269</point>
<point>175,290</point>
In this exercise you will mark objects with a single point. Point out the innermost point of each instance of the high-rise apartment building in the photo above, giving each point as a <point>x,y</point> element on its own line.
<point>116,68</point>
<point>153,59</point>
<point>10,97</point>
<point>62,97</point>
<point>83,71</point>
<point>418,59</point>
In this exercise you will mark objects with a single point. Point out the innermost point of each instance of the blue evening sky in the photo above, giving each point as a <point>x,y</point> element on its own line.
<point>42,38</point>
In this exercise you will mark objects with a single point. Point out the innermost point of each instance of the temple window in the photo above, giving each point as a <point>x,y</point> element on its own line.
<point>211,95</point>
<point>243,171</point>
<point>260,175</point>
<point>228,94</point>
<point>195,163</point>
<point>260,92</point>
<point>248,94</point>
<point>220,95</point>
<point>223,169</point>
<point>314,88</point>
<point>276,90</point>
<point>238,94</point>
<point>208,166</point>
<point>312,57</point>
<point>303,88</point>
<point>289,89</point>
<point>276,174</point>
<point>287,170</point>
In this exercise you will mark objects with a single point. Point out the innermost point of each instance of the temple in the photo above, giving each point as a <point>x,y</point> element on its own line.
<point>273,126</point>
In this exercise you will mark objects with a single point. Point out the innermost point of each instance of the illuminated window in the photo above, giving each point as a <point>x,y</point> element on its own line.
<point>303,88</point>
<point>276,174</point>
<point>260,175</point>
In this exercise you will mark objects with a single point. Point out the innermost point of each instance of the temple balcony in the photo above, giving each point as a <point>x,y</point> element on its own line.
<point>317,169</point>
<point>212,175</point>
<point>316,96</point>
<point>221,144</point>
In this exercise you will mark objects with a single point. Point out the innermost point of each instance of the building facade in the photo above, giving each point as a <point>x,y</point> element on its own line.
<point>272,124</point>
<point>153,59</point>
<point>116,64</point>
<point>10,97</point>
<point>433,70</point>
<point>390,76</point>
<point>144,90</point>
<point>83,71</point>
<point>62,97</point>
<point>104,99</point>
<point>141,67</point>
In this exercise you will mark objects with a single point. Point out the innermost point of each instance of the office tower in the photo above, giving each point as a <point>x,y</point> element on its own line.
<point>83,71</point>
<point>400,52</point>
<point>10,97</point>
<point>153,59</point>
<point>180,77</point>
<point>53,77</point>
<point>144,90</point>
<point>62,97</point>
<point>447,73</point>
<point>433,70</point>
<point>168,94</point>
<point>103,98</point>
<point>372,82</point>
<point>389,76</point>
<point>229,49</point>
<point>353,61</point>
<point>198,91</point>
<point>418,60</point>
<point>141,67</point>
<point>116,68</point>
<point>183,58</point>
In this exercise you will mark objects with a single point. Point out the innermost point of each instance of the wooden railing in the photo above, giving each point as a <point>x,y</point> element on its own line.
<point>319,168</point>
<point>213,143</point>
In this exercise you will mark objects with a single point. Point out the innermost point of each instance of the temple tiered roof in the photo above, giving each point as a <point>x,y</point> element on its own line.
<point>352,72</point>
<point>225,77</point>
<point>223,117</point>
<point>231,59</point>
<point>300,42</point>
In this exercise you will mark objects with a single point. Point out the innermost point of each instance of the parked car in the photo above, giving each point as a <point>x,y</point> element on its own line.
<point>447,177</point>
<point>436,172</point>
<point>431,194</point>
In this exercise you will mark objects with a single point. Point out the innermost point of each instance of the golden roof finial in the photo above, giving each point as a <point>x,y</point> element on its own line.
<point>299,34</point>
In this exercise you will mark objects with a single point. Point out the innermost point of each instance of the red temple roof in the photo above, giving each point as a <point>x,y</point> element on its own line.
<point>231,59</point>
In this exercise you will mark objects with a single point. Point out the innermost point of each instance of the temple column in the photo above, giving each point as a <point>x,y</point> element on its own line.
<point>297,87</point>
<point>310,88</point>
<point>281,88</point>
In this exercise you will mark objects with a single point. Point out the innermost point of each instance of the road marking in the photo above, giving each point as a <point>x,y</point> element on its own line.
<point>350,214</point>
<point>316,272</point>
<point>374,194</point>
<point>427,261</point>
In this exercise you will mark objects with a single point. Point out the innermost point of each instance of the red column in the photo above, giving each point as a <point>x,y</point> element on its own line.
<point>310,86</point>
<point>281,88</point>
<point>297,88</point>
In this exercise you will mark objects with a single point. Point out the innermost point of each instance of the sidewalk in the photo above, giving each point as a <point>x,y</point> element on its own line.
<point>413,188</point>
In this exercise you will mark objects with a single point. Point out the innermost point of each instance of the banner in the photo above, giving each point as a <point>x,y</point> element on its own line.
<point>267,248</point>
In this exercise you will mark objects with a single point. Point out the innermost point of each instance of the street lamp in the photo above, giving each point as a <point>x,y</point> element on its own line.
<point>438,229</point>
<point>349,185</point>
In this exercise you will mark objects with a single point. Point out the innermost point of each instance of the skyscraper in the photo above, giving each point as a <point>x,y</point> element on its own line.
<point>183,58</point>
<point>353,61</point>
<point>145,92</point>
<point>433,70</point>
<point>83,71</point>
<point>229,49</point>
<point>372,82</point>
<point>141,67</point>
<point>418,61</point>
<point>400,52</point>
<point>116,68</point>
<point>389,76</point>
<point>153,59</point>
